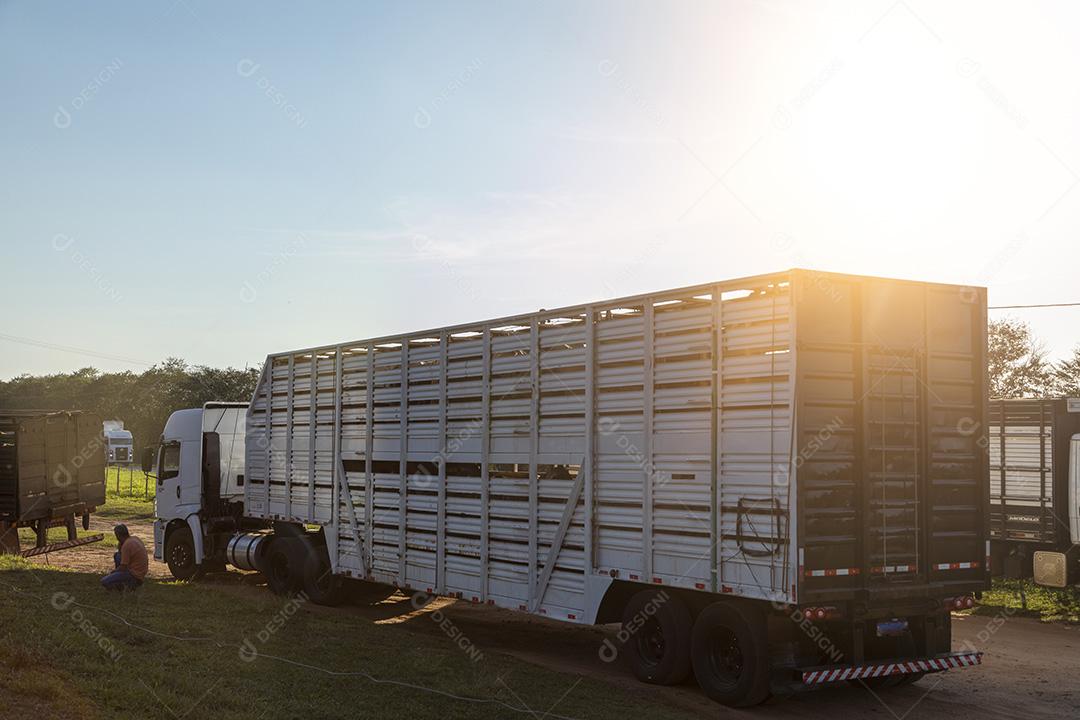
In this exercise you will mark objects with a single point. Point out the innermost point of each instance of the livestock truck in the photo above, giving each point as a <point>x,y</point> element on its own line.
<point>52,474</point>
<point>773,483</point>
<point>1035,489</point>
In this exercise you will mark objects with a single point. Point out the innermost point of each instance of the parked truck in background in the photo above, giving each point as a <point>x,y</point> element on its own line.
<point>773,483</point>
<point>119,447</point>
<point>1035,489</point>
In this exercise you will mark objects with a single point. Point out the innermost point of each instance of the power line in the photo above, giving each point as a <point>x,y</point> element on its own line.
<point>70,349</point>
<point>1020,307</point>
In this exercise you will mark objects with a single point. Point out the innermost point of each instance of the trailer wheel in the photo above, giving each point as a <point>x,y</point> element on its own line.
<point>657,630</point>
<point>180,554</point>
<point>730,653</point>
<point>320,585</point>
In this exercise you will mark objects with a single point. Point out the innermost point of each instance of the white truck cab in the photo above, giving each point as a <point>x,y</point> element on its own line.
<point>199,465</point>
<point>119,448</point>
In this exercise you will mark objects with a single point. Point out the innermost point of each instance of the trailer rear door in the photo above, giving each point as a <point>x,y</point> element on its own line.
<point>891,396</point>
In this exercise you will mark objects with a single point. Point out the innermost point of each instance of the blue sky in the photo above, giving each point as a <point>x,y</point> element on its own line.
<point>221,181</point>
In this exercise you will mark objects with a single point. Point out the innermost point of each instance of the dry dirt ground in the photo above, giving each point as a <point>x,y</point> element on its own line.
<point>1030,669</point>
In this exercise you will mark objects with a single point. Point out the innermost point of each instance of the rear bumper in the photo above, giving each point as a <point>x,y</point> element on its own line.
<point>940,663</point>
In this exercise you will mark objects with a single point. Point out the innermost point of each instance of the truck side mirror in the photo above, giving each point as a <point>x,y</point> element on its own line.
<point>148,459</point>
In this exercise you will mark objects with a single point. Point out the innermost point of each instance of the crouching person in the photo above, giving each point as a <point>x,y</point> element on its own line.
<point>130,562</point>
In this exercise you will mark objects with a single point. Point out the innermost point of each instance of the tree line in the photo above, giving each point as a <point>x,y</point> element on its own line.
<point>1018,367</point>
<point>143,400</point>
<point>1018,364</point>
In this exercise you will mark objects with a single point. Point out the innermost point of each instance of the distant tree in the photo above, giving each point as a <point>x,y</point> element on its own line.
<point>1065,377</point>
<point>143,400</point>
<point>1017,361</point>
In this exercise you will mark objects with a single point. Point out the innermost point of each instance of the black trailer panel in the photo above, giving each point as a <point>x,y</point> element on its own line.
<point>890,463</point>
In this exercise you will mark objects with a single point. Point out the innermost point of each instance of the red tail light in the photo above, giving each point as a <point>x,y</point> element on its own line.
<point>820,613</point>
<point>962,602</point>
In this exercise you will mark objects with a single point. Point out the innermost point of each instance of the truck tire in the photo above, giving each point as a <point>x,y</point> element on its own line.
<point>730,653</point>
<point>284,566</point>
<point>656,628</point>
<point>321,586</point>
<point>180,554</point>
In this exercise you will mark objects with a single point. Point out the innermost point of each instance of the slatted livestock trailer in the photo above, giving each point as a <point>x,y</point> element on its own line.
<point>52,471</point>
<point>1035,489</point>
<point>772,482</point>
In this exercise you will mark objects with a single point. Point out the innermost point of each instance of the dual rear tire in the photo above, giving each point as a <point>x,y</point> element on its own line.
<point>300,564</point>
<point>725,646</point>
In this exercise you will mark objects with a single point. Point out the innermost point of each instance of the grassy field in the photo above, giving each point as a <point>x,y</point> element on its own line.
<point>1025,598</point>
<point>179,649</point>
<point>133,501</point>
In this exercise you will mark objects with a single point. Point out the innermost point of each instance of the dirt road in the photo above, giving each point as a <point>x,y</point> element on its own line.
<point>98,557</point>
<point>1030,669</point>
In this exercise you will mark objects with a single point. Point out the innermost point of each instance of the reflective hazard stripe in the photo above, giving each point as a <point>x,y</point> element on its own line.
<point>832,572</point>
<point>957,566</point>
<point>887,569</point>
<point>908,667</point>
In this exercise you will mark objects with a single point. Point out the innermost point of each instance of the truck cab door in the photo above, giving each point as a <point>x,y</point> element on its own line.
<point>167,497</point>
<point>179,491</point>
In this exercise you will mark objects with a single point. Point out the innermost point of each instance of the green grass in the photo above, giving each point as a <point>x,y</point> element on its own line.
<point>131,502</point>
<point>180,654</point>
<point>1047,604</point>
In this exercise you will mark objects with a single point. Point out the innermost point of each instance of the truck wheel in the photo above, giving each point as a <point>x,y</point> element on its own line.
<point>180,554</point>
<point>320,585</point>
<point>282,565</point>
<point>730,654</point>
<point>657,627</point>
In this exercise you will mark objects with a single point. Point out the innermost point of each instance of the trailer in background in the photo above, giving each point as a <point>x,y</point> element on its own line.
<point>1035,489</point>
<point>52,472</point>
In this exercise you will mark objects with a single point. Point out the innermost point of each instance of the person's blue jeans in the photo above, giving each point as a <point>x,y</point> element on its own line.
<point>119,579</point>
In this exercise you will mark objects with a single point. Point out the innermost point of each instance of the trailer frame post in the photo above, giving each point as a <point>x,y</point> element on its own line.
<point>440,518</point>
<point>648,391</point>
<point>588,466</point>
<point>403,462</point>
<point>369,450</point>
<point>534,446</point>
<point>485,460</point>
<point>313,403</point>
<point>289,438</point>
